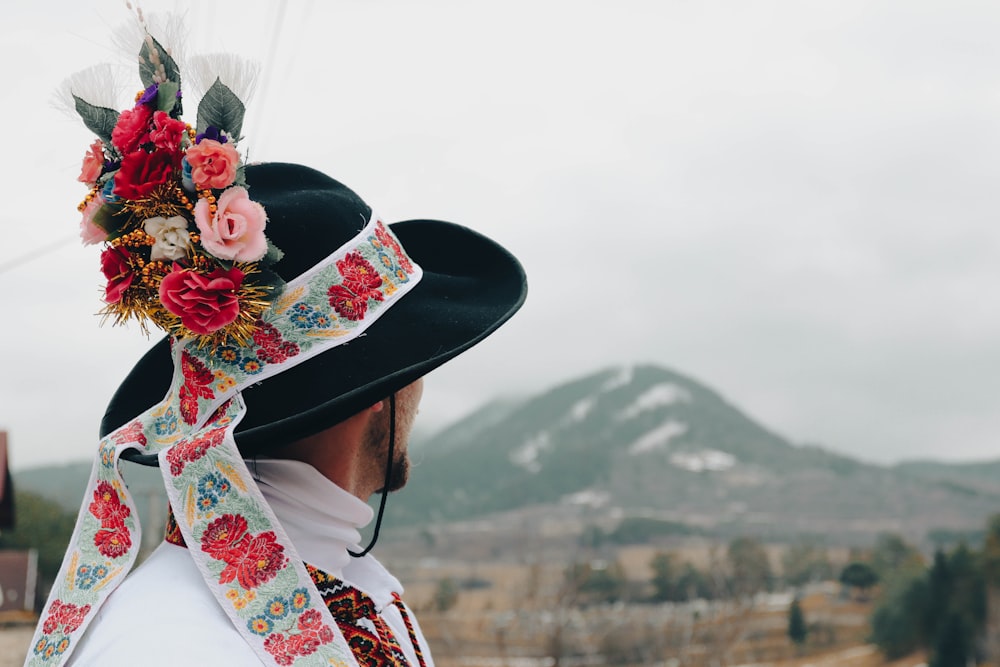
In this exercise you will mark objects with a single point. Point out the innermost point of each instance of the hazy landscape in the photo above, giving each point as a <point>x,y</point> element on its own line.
<point>609,520</point>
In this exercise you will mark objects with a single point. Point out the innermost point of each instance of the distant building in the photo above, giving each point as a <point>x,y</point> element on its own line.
<point>6,487</point>
<point>18,576</point>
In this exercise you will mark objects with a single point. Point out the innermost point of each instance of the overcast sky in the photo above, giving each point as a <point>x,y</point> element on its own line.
<point>793,202</point>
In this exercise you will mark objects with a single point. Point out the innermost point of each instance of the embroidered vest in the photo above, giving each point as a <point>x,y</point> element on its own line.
<point>370,638</point>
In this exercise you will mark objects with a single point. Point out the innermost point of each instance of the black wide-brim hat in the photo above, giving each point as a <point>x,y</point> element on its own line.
<point>470,286</point>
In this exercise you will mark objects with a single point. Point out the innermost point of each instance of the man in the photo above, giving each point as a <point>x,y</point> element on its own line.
<point>273,414</point>
<point>315,456</point>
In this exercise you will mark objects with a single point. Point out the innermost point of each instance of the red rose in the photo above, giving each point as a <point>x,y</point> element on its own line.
<point>113,542</point>
<point>254,561</point>
<point>142,172</point>
<point>107,507</point>
<point>116,265</point>
<point>167,132</point>
<point>132,129</point>
<point>205,304</point>
<point>223,536</point>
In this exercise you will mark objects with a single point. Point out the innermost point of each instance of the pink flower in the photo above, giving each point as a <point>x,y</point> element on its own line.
<point>205,304</point>
<point>236,231</point>
<point>213,165</point>
<point>93,164</point>
<point>132,129</point>
<point>89,232</point>
<point>116,265</point>
<point>167,132</point>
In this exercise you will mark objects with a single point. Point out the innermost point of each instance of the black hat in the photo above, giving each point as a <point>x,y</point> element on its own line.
<point>470,286</point>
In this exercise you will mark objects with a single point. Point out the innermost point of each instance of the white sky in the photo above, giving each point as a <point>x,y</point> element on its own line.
<point>794,202</point>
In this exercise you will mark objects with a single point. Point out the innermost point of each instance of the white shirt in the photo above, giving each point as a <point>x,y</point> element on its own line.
<point>163,614</point>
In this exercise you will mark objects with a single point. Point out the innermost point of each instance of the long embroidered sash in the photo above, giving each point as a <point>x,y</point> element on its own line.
<point>368,635</point>
<point>241,550</point>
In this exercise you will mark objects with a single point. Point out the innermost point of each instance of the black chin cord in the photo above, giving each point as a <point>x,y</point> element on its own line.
<point>388,476</point>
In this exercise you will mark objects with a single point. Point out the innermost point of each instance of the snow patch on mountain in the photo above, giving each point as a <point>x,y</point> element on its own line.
<point>526,456</point>
<point>710,460</point>
<point>659,395</point>
<point>659,437</point>
<point>580,410</point>
<point>623,378</point>
<point>588,498</point>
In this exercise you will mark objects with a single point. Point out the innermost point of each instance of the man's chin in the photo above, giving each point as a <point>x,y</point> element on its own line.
<point>399,476</point>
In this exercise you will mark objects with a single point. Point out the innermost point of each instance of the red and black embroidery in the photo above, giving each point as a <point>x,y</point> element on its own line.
<point>370,639</point>
<point>398,601</point>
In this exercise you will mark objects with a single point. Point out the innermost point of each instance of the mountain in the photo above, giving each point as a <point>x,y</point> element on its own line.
<point>649,441</point>
<point>643,441</point>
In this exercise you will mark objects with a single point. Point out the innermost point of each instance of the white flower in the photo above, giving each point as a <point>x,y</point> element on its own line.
<point>171,237</point>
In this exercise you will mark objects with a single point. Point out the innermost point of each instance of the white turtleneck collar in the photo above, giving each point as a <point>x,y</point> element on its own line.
<point>321,519</point>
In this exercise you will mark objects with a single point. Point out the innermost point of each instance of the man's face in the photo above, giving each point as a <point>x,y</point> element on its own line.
<point>377,438</point>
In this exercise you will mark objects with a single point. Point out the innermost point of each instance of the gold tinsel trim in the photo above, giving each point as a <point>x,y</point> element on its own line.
<point>253,300</point>
<point>165,200</point>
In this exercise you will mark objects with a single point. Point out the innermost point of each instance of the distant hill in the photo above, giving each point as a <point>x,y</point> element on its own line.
<point>982,474</point>
<point>647,442</point>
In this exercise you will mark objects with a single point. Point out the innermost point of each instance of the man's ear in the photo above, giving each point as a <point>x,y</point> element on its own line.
<point>378,407</point>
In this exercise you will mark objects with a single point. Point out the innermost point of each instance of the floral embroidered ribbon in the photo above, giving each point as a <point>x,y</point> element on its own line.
<point>241,550</point>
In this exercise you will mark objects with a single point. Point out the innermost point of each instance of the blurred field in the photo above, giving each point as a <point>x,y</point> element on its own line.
<point>14,641</point>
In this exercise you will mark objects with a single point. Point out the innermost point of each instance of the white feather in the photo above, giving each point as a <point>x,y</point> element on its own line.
<point>236,73</point>
<point>104,85</point>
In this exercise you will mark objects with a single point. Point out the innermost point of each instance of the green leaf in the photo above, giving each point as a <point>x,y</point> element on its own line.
<point>99,120</point>
<point>273,255</point>
<point>166,96</point>
<point>107,219</point>
<point>270,279</point>
<point>221,108</point>
<point>146,68</point>
<point>241,175</point>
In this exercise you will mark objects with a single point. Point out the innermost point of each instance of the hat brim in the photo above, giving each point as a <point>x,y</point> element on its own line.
<point>470,286</point>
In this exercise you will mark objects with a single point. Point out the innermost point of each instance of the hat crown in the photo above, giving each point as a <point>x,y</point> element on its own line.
<point>309,214</point>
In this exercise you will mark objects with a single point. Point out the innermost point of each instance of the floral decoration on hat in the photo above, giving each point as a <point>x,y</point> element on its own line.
<point>184,241</point>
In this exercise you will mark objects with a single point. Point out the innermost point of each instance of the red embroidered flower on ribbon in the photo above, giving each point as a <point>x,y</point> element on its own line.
<point>197,379</point>
<point>116,265</point>
<point>250,559</point>
<point>64,614</point>
<point>108,507</point>
<point>113,542</point>
<point>387,240</point>
<point>255,561</point>
<point>223,535</point>
<point>205,304</point>
<point>133,433</point>
<point>312,635</point>
<point>272,349</point>
<point>187,452</point>
<point>361,282</point>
